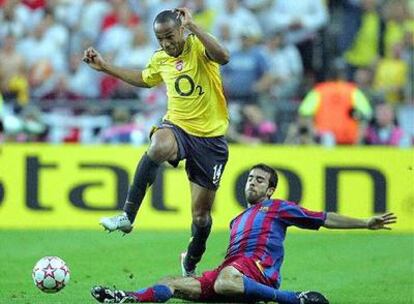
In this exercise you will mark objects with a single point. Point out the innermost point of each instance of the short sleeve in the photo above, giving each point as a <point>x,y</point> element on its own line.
<point>151,74</point>
<point>309,104</point>
<point>294,215</point>
<point>361,103</point>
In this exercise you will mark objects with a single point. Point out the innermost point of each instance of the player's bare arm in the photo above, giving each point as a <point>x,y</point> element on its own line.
<point>337,221</point>
<point>95,60</point>
<point>214,50</point>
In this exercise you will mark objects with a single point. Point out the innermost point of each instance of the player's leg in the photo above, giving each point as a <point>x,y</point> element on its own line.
<point>163,147</point>
<point>205,164</point>
<point>201,203</point>
<point>186,288</point>
<point>233,284</point>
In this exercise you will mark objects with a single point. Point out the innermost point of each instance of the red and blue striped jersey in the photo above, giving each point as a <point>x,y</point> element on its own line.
<point>260,230</point>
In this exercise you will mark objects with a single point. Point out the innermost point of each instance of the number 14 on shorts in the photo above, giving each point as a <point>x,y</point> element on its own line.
<point>217,171</point>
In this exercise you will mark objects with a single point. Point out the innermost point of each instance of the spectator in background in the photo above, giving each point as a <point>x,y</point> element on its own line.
<point>244,77</point>
<point>300,21</point>
<point>138,52</point>
<point>363,41</point>
<point>123,129</point>
<point>61,90</point>
<point>254,127</point>
<point>107,84</point>
<point>397,22</point>
<point>27,126</point>
<point>86,128</point>
<point>154,103</point>
<point>55,31</point>
<point>34,128</point>
<point>286,66</point>
<point>391,76</point>
<point>202,14</point>
<point>238,18</point>
<point>124,90</point>
<point>11,24</point>
<point>120,33</point>
<point>44,57</point>
<point>367,31</point>
<point>29,13</point>
<point>363,79</point>
<point>117,29</point>
<point>13,82</point>
<point>301,132</point>
<point>247,69</point>
<point>119,14</point>
<point>384,130</point>
<point>378,29</point>
<point>338,109</point>
<point>34,4</point>
<point>408,56</point>
<point>68,13</point>
<point>285,70</point>
<point>405,116</point>
<point>78,75</point>
<point>91,17</point>
<point>112,88</point>
<point>153,7</point>
<point>231,43</point>
<point>264,10</point>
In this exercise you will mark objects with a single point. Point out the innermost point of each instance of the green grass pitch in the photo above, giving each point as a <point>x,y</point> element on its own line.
<point>348,267</point>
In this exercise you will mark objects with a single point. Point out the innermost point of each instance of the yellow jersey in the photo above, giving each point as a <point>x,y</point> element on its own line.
<point>196,101</point>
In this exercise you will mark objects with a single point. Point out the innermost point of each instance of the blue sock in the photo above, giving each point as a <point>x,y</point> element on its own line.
<point>156,293</point>
<point>162,293</point>
<point>260,292</point>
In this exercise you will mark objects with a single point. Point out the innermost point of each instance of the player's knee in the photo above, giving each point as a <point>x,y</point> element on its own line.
<point>160,151</point>
<point>202,220</point>
<point>228,282</point>
<point>226,287</point>
<point>223,287</point>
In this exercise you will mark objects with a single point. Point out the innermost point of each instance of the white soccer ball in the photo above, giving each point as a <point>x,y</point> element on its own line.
<point>51,274</point>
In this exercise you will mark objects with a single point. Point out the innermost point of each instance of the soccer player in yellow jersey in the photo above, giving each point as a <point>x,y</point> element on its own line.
<point>193,128</point>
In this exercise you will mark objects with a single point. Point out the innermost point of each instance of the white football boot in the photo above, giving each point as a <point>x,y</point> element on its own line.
<point>117,222</point>
<point>185,272</point>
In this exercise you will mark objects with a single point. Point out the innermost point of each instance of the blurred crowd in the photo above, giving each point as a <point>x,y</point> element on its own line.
<point>330,72</point>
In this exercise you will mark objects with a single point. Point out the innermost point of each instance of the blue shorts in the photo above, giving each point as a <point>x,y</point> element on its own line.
<point>206,157</point>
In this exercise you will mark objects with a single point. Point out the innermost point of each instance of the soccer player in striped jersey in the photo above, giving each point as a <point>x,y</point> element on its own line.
<point>193,127</point>
<point>251,269</point>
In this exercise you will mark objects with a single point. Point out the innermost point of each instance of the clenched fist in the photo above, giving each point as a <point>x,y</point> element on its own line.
<point>93,59</point>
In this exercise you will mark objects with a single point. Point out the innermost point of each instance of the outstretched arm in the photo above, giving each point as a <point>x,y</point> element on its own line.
<point>337,221</point>
<point>96,61</point>
<point>214,50</point>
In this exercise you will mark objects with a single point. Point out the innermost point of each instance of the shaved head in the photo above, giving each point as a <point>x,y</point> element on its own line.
<point>168,16</point>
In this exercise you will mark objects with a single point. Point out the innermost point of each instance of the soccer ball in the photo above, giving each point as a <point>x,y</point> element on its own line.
<point>50,274</point>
